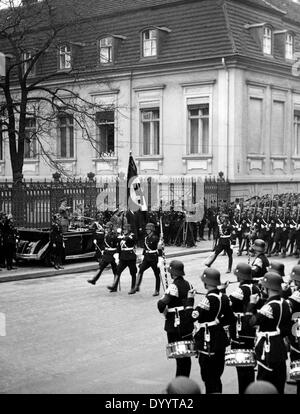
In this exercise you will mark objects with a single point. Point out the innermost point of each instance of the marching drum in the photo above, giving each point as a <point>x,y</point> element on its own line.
<point>240,358</point>
<point>295,370</point>
<point>181,349</point>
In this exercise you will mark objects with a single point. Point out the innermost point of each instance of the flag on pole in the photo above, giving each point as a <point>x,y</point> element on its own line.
<point>135,196</point>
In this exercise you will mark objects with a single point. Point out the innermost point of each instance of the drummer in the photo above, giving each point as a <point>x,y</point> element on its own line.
<point>211,315</point>
<point>177,306</point>
<point>294,302</point>
<point>242,335</point>
<point>274,322</point>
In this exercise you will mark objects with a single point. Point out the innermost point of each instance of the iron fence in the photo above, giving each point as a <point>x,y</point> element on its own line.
<point>32,203</point>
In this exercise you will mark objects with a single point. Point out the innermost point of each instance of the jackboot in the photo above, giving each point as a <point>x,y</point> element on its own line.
<point>229,265</point>
<point>138,283</point>
<point>133,284</point>
<point>157,287</point>
<point>114,286</point>
<point>210,260</point>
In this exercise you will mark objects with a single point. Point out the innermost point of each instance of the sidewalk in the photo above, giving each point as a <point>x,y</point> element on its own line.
<point>29,271</point>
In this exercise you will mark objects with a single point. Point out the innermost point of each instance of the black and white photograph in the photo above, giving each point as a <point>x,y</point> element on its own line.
<point>150,200</point>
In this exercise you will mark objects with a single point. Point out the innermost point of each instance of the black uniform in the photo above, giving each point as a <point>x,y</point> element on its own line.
<point>178,324</point>
<point>108,248</point>
<point>223,243</point>
<point>294,337</point>
<point>259,266</point>
<point>274,322</point>
<point>213,313</point>
<point>57,244</point>
<point>242,335</point>
<point>127,258</point>
<point>151,252</point>
<point>9,235</point>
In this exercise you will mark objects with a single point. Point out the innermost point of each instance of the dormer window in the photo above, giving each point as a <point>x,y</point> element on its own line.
<point>267,40</point>
<point>26,57</point>
<point>150,42</point>
<point>106,50</point>
<point>65,57</point>
<point>289,46</point>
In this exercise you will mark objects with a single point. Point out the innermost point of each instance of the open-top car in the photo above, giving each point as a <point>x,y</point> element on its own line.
<point>34,245</point>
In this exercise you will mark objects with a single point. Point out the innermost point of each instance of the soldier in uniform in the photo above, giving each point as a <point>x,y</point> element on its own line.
<point>108,248</point>
<point>294,303</point>
<point>211,315</point>
<point>274,322</point>
<point>242,335</point>
<point>224,242</point>
<point>278,267</point>
<point>151,253</point>
<point>10,236</point>
<point>57,242</point>
<point>260,262</point>
<point>127,258</point>
<point>177,305</point>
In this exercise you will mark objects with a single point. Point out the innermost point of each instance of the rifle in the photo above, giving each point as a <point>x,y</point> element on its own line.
<point>163,252</point>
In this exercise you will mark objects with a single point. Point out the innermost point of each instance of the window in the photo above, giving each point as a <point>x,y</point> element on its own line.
<point>65,57</point>
<point>198,129</point>
<point>26,62</point>
<point>106,50</point>
<point>150,131</point>
<point>278,119</point>
<point>289,46</point>
<point>267,41</point>
<point>297,132</point>
<point>66,136</point>
<point>255,125</point>
<point>30,144</point>
<point>105,121</point>
<point>150,43</point>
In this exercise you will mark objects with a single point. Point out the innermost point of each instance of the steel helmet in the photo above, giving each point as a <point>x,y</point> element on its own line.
<point>272,281</point>
<point>259,245</point>
<point>176,268</point>
<point>277,267</point>
<point>295,274</point>
<point>211,277</point>
<point>243,271</point>
<point>150,226</point>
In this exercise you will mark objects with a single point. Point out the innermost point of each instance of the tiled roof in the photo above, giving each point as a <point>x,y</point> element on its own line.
<point>240,15</point>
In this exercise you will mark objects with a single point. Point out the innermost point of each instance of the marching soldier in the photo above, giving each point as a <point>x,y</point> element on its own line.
<point>273,320</point>
<point>294,303</point>
<point>260,262</point>
<point>278,267</point>
<point>2,255</point>
<point>57,241</point>
<point>151,253</point>
<point>177,305</point>
<point>224,242</point>
<point>108,248</point>
<point>127,258</point>
<point>211,315</point>
<point>242,335</point>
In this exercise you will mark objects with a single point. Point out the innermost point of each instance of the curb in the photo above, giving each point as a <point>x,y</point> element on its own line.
<point>84,268</point>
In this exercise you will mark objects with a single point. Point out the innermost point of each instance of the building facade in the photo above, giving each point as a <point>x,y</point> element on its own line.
<point>190,87</point>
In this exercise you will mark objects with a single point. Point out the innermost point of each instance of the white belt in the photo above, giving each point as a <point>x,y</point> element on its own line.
<point>127,248</point>
<point>151,251</point>
<point>110,249</point>
<point>242,314</point>
<point>212,323</point>
<point>225,237</point>
<point>271,333</point>
<point>179,308</point>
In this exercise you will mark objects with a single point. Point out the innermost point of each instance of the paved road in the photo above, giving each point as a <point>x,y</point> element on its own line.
<point>66,336</point>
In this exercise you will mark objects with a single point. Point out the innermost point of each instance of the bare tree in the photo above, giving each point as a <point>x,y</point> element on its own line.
<point>30,36</point>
